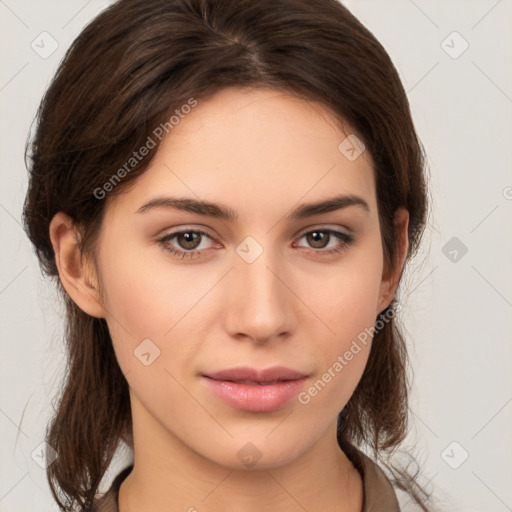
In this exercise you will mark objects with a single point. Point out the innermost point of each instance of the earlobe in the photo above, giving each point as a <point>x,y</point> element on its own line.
<point>76,277</point>
<point>390,280</point>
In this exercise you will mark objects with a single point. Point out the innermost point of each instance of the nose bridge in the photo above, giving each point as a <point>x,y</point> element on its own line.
<point>260,306</point>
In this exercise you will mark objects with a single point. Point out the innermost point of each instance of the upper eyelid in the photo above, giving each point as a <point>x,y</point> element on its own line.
<point>302,231</point>
<point>322,227</point>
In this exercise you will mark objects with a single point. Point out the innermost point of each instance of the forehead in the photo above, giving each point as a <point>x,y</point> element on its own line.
<point>255,150</point>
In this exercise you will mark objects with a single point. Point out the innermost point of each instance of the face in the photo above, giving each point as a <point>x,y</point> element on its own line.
<point>256,282</point>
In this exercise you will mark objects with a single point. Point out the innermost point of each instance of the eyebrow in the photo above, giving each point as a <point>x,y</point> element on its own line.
<point>226,213</point>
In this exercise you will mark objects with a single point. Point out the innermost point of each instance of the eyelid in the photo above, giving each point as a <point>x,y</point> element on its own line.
<point>185,229</point>
<point>323,227</point>
<point>170,235</point>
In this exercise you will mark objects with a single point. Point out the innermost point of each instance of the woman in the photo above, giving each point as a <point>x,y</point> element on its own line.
<point>227,193</point>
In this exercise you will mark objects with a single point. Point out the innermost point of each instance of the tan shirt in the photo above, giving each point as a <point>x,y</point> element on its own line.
<point>379,495</point>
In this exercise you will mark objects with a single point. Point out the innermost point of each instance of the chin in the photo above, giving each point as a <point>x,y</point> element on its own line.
<point>257,452</point>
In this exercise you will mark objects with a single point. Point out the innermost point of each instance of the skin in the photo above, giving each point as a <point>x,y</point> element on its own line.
<point>293,305</point>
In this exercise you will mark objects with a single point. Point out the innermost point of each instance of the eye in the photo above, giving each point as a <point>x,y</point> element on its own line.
<point>319,240</point>
<point>188,242</point>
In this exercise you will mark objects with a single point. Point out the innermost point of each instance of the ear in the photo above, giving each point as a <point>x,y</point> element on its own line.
<point>391,276</point>
<point>76,275</point>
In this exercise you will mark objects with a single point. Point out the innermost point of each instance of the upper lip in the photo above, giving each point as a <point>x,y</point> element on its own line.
<point>257,375</point>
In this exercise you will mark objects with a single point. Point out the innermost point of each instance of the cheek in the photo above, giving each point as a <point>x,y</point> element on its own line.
<point>152,323</point>
<point>342,366</point>
<point>140,293</point>
<point>346,295</point>
<point>153,301</point>
<point>347,306</point>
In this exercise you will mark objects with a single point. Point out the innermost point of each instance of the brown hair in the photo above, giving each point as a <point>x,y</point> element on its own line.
<point>125,74</point>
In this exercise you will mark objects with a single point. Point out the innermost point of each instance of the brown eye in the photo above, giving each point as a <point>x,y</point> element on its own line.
<point>186,243</point>
<point>188,239</point>
<point>318,239</point>
<point>326,241</point>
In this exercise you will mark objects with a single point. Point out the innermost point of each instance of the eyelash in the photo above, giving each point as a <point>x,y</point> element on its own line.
<point>345,239</point>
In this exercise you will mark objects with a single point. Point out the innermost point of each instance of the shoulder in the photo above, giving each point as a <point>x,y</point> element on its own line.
<point>108,502</point>
<point>379,494</point>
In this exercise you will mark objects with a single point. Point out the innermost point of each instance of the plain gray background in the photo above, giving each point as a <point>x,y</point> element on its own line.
<point>457,304</point>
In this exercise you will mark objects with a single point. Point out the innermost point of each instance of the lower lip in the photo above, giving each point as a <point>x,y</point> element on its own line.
<point>253,397</point>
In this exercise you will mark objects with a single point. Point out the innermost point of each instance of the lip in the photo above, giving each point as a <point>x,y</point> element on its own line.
<point>269,389</point>
<point>255,374</point>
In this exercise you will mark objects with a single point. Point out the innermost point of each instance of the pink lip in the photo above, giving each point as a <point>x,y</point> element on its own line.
<point>268,396</point>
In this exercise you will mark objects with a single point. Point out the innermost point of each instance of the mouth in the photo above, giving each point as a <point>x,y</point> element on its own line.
<point>255,375</point>
<point>255,390</point>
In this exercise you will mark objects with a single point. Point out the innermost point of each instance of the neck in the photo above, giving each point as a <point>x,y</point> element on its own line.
<point>168,475</point>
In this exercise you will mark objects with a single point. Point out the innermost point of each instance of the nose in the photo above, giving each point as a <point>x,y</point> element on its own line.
<point>260,300</point>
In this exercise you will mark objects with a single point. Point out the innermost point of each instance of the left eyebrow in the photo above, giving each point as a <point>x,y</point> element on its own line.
<point>224,212</point>
<point>329,205</point>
